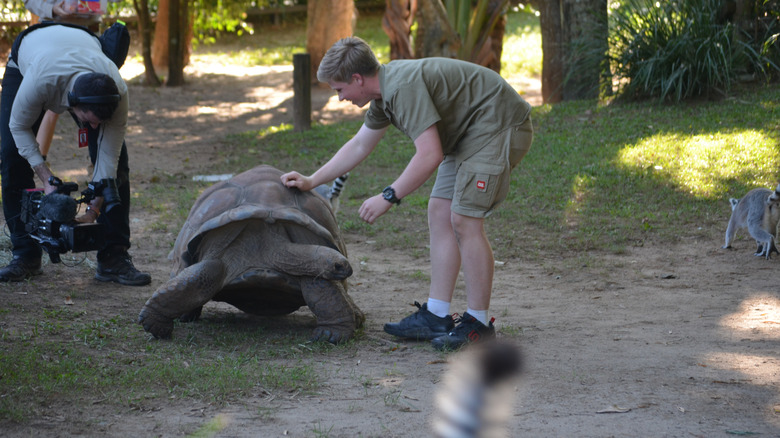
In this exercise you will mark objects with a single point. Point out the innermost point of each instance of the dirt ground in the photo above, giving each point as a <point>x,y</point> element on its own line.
<point>679,341</point>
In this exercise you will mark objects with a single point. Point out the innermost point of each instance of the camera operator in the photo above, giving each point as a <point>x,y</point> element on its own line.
<point>62,68</point>
<point>62,11</point>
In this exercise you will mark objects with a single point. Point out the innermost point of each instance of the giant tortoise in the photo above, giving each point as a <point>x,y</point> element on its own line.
<point>263,248</point>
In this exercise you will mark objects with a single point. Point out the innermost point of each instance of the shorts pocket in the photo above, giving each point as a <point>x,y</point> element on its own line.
<point>479,186</point>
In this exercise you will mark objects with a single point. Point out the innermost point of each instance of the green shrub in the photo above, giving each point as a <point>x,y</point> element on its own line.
<point>678,49</point>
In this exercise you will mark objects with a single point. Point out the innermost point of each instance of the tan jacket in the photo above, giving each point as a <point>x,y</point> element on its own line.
<point>50,60</point>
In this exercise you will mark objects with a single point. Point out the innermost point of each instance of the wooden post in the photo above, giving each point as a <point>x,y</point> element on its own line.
<point>302,90</point>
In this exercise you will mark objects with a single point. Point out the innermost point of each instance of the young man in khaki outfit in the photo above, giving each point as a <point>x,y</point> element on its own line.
<point>464,120</point>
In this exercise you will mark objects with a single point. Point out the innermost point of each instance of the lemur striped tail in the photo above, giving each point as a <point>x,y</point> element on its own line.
<point>475,400</point>
<point>337,186</point>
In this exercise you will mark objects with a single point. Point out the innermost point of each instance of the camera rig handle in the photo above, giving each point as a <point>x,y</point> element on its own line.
<point>66,188</point>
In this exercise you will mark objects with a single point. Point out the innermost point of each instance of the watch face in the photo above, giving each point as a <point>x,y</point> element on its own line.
<point>389,194</point>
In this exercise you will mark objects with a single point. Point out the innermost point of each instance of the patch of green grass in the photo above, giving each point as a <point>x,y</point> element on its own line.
<point>171,206</point>
<point>69,354</point>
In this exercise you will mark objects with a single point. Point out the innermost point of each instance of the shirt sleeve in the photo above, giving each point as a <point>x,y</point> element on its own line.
<point>375,117</point>
<point>41,8</point>
<point>27,108</point>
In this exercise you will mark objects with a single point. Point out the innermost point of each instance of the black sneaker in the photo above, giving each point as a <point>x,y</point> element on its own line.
<point>468,330</point>
<point>119,268</point>
<point>20,270</point>
<point>421,325</point>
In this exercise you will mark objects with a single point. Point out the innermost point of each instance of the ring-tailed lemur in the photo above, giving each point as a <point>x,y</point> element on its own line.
<point>759,211</point>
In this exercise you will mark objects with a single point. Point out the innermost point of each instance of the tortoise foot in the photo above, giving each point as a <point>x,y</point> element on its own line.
<point>333,334</point>
<point>192,315</point>
<point>155,323</point>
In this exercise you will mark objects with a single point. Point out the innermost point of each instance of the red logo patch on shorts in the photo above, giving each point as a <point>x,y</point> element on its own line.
<point>481,185</point>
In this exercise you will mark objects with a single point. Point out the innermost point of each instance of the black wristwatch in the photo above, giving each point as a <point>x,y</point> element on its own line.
<point>389,194</point>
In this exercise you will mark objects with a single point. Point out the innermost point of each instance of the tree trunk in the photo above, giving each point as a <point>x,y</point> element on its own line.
<point>585,32</point>
<point>160,49</point>
<point>574,47</point>
<point>177,34</point>
<point>435,36</point>
<point>327,22</point>
<point>397,24</point>
<point>552,50</point>
<point>160,45</point>
<point>145,30</point>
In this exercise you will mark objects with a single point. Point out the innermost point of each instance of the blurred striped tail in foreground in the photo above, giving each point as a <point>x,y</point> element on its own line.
<point>476,399</point>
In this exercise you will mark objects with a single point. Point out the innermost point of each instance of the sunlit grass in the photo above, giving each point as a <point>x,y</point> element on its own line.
<point>703,164</point>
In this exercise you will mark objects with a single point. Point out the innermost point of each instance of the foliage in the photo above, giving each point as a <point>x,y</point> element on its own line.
<point>211,18</point>
<point>12,11</point>
<point>278,46</point>
<point>678,49</point>
<point>473,25</point>
<point>522,54</point>
<point>766,33</point>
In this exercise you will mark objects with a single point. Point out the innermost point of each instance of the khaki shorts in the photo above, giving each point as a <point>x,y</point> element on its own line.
<point>480,183</point>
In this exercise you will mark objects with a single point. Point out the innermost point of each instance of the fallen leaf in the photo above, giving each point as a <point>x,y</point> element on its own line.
<point>614,409</point>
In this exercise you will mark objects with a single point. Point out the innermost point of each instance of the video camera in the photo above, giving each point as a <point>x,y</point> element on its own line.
<point>50,219</point>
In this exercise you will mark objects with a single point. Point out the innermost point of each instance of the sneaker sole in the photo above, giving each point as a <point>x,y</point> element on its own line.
<point>419,334</point>
<point>116,279</point>
<point>445,344</point>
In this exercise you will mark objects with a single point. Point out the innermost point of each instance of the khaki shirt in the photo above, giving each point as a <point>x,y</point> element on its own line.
<point>470,104</point>
<point>50,60</point>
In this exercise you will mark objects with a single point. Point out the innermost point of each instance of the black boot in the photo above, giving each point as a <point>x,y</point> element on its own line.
<point>116,265</point>
<point>20,270</point>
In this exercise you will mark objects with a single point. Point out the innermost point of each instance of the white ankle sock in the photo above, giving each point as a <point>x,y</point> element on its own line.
<point>480,315</point>
<point>438,307</point>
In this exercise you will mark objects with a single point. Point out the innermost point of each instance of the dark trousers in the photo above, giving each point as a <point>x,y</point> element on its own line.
<point>17,175</point>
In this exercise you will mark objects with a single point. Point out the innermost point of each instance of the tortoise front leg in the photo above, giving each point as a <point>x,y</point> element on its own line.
<point>337,316</point>
<point>189,290</point>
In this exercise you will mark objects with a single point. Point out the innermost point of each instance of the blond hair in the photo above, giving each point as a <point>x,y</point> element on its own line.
<point>346,57</point>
